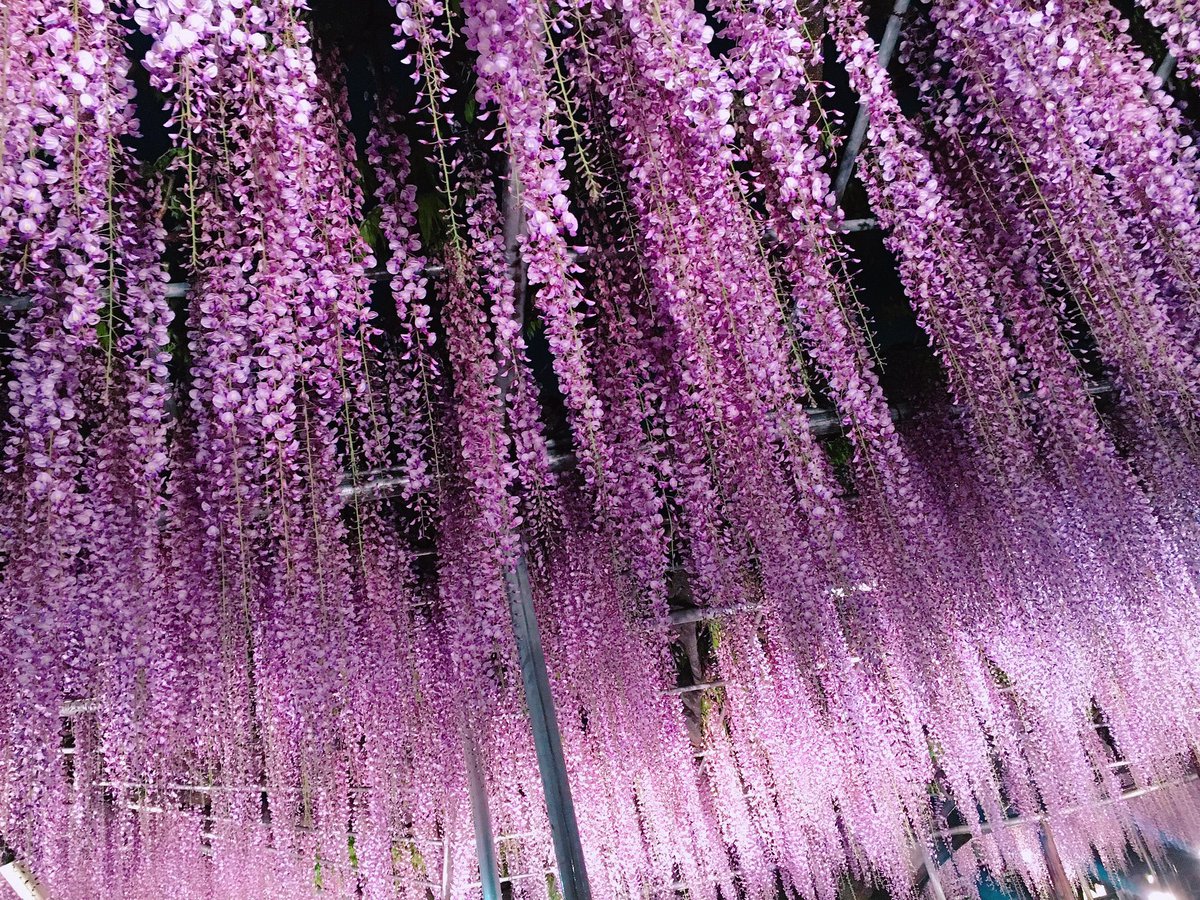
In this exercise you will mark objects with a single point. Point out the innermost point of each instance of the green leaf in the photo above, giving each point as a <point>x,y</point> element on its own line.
<point>706,708</point>
<point>104,335</point>
<point>840,450</point>
<point>366,175</point>
<point>431,219</point>
<point>163,163</point>
<point>104,328</point>
<point>408,848</point>
<point>371,233</point>
<point>533,326</point>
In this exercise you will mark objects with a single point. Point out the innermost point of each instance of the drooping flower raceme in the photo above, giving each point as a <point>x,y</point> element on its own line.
<point>254,536</point>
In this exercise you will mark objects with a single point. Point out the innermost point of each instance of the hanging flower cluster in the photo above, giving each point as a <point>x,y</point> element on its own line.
<point>259,534</point>
<point>1182,35</point>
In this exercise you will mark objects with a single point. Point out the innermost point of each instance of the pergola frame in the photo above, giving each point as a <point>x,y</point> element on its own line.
<point>573,882</point>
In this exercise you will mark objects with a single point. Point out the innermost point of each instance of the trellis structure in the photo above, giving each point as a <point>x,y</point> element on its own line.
<point>988,401</point>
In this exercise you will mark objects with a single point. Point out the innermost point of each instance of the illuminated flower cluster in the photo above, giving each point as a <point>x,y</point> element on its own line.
<point>579,305</point>
<point>1179,24</point>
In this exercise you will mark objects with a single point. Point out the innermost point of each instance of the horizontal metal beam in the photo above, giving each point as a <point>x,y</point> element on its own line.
<point>695,688</point>
<point>79,707</point>
<point>177,289</point>
<point>706,613</point>
<point>822,422</point>
<point>1015,821</point>
<point>853,226</point>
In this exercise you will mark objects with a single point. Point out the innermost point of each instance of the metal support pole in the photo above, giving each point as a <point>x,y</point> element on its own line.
<point>1165,69</point>
<point>481,817</point>
<point>931,872</point>
<point>447,868</point>
<point>21,880</point>
<point>564,828</point>
<point>547,741</point>
<point>858,131</point>
<point>1060,884</point>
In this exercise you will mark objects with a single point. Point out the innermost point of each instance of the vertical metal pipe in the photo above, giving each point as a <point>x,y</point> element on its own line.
<point>447,855</point>
<point>564,828</point>
<point>1166,68</point>
<point>481,817</point>
<point>21,880</point>
<point>858,131</point>
<point>931,872</point>
<point>1060,885</point>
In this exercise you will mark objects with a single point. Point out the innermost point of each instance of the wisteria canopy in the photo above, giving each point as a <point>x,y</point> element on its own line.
<point>321,324</point>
